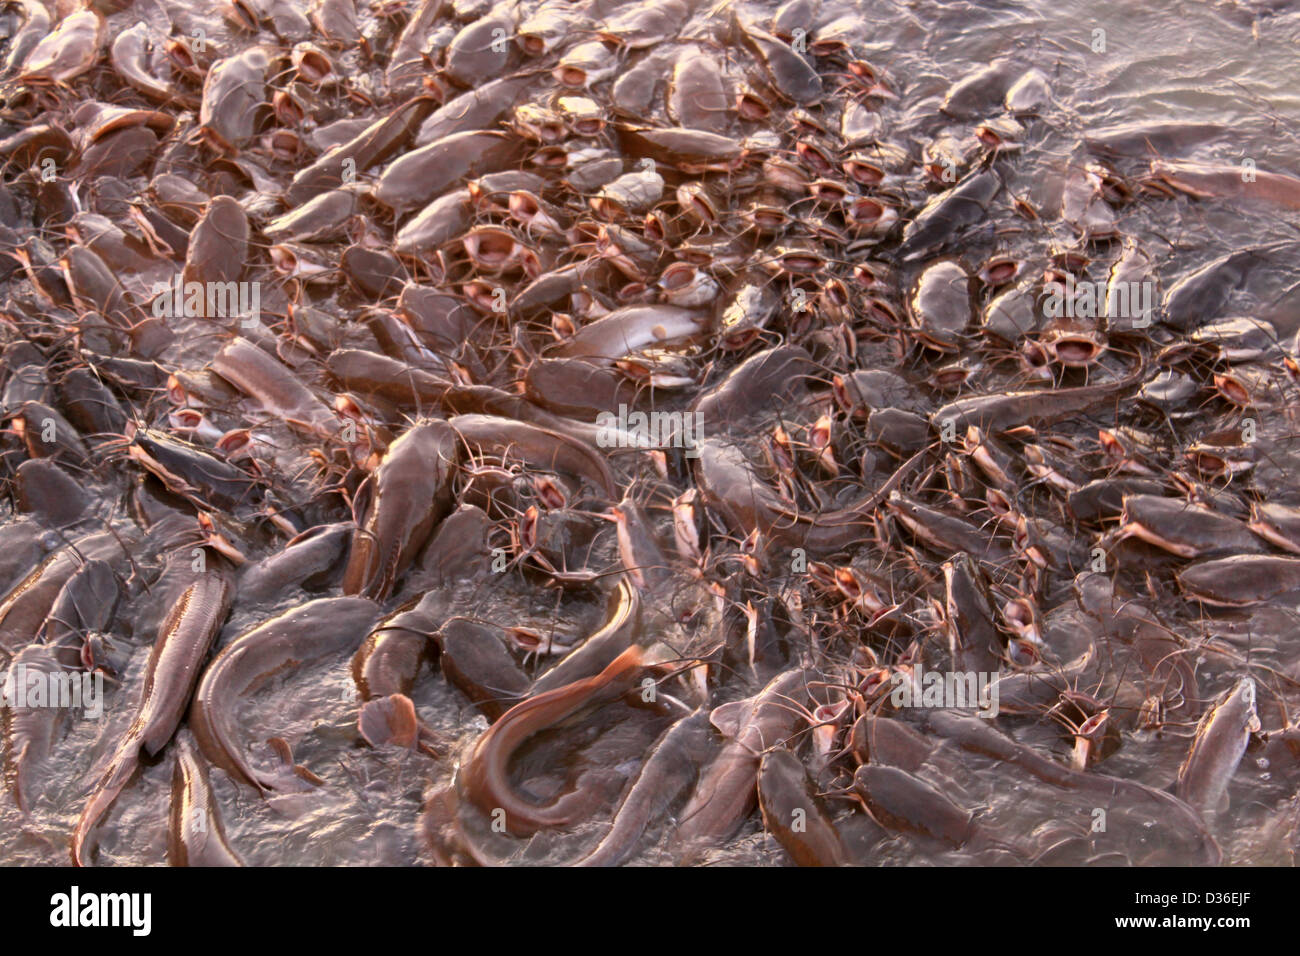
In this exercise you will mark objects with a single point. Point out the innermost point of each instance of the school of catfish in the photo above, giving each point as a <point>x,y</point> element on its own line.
<point>485,241</point>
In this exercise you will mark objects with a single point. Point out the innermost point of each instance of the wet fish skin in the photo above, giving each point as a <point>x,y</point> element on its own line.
<point>1002,412</point>
<point>309,632</point>
<point>756,386</point>
<point>476,661</point>
<point>232,91</point>
<point>44,490</point>
<point>791,74</point>
<point>87,602</point>
<point>669,770</point>
<point>948,213</point>
<point>24,544</point>
<point>541,447</point>
<point>1154,806</point>
<point>727,792</point>
<point>301,562</point>
<point>67,52</point>
<point>196,835</point>
<point>415,178</point>
<point>787,796</point>
<point>29,731</point>
<point>899,800</point>
<point>36,26</point>
<point>1240,580</point>
<point>1185,529</point>
<point>408,496</point>
<point>973,638</point>
<point>1206,180</point>
<point>184,638</point>
<point>1218,747</point>
<point>1201,295</point>
<point>484,774</point>
<point>279,392</point>
<point>374,144</point>
<point>889,742</point>
<point>24,610</point>
<point>389,660</point>
<point>621,630</point>
<point>696,95</point>
<point>218,248</point>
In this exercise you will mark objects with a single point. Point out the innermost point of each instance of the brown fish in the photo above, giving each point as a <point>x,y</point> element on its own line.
<point>184,638</point>
<point>309,632</point>
<point>484,777</point>
<point>727,791</point>
<point>196,836</point>
<point>793,812</point>
<point>399,506</point>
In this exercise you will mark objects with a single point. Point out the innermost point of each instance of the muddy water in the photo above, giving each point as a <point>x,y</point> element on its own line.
<point>1209,82</point>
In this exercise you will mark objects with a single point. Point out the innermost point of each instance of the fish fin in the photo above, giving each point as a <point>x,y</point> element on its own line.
<point>357,575</point>
<point>125,762</point>
<point>361,501</point>
<point>728,718</point>
<point>19,781</point>
<point>304,774</point>
<point>289,780</point>
<point>389,720</point>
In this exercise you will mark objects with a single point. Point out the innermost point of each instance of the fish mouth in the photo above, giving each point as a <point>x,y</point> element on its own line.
<point>1000,271</point>
<point>574,77</point>
<point>532,44</point>
<point>751,108</point>
<point>864,173</point>
<point>1075,351</point>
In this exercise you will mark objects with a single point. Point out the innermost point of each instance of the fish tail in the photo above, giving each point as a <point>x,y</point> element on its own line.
<point>111,784</point>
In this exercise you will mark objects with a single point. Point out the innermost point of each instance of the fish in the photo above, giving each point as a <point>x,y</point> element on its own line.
<point>792,812</point>
<point>950,213</point>
<point>1218,747</point>
<point>727,792</point>
<point>1240,580</point>
<point>260,376</point>
<point>232,90</point>
<point>1207,181</point>
<point>25,609</point>
<point>183,641</point>
<point>541,447</point>
<point>1187,530</point>
<point>483,778</point>
<point>973,639</point>
<point>30,729</point>
<point>483,243</point>
<point>196,835</point>
<point>477,662</point>
<point>309,632</point>
<point>668,771</point>
<point>399,507</point>
<point>1200,295</point>
<point>899,800</point>
<point>67,52</point>
<point>1002,412</point>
